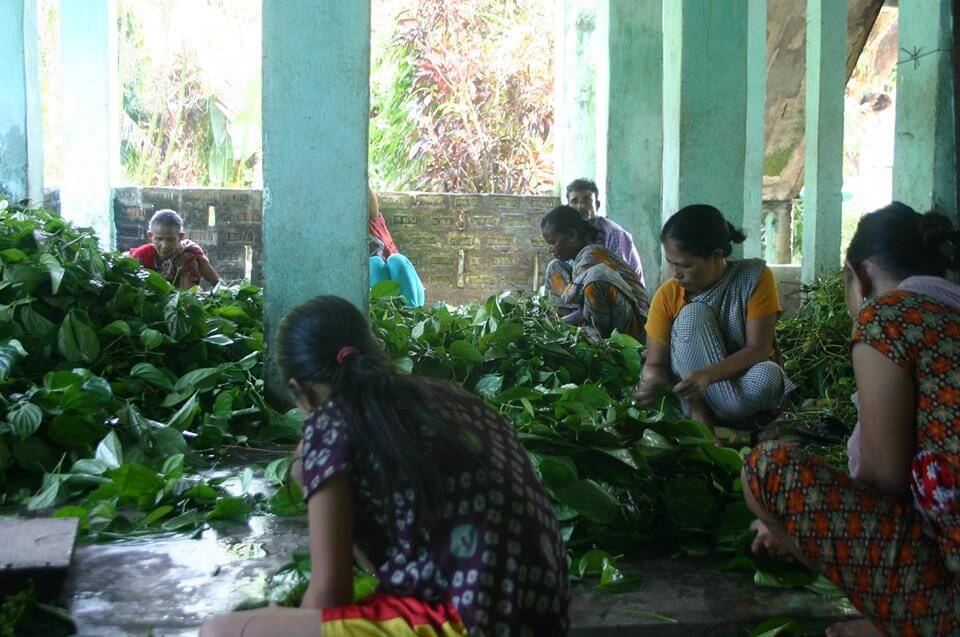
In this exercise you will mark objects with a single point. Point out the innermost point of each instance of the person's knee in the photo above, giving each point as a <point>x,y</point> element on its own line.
<point>733,410</point>
<point>697,313</point>
<point>215,627</point>
<point>398,260</point>
<point>694,323</point>
<point>765,458</point>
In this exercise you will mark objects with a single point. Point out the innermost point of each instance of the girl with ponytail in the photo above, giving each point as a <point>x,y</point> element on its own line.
<point>426,480</point>
<point>711,327</point>
<point>892,540</point>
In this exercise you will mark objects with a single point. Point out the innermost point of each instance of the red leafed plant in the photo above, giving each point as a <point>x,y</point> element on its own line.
<point>470,104</point>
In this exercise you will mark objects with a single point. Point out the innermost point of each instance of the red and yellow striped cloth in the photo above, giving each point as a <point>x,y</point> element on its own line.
<point>383,615</point>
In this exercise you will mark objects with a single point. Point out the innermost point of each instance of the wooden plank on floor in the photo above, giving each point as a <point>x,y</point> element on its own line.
<point>41,549</point>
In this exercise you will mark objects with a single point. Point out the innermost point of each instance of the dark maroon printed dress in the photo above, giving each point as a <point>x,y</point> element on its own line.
<point>495,552</point>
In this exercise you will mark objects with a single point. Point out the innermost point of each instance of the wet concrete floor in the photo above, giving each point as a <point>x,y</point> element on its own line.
<point>167,586</point>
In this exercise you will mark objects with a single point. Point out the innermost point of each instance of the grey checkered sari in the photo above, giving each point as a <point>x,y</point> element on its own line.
<point>712,326</point>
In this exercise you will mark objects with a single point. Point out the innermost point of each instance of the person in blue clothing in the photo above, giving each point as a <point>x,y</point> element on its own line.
<point>386,262</point>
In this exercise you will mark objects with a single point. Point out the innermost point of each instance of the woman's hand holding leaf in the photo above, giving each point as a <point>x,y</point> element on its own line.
<point>695,385</point>
<point>654,380</point>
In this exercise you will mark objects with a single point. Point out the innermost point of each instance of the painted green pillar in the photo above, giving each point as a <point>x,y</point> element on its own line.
<point>756,122</point>
<point>705,105</point>
<point>924,165</point>
<point>575,96</point>
<point>91,115</point>
<point>316,94</point>
<point>631,111</point>
<point>21,135</point>
<point>823,167</point>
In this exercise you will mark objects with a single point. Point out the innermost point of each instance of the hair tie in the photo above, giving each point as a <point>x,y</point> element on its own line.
<point>346,352</point>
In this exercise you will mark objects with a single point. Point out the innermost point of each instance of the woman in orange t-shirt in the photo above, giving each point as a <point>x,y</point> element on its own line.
<point>710,330</point>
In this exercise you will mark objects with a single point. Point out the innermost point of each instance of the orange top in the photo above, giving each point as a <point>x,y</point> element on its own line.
<point>670,299</point>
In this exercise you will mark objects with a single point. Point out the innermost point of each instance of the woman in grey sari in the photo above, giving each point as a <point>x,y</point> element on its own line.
<point>711,327</point>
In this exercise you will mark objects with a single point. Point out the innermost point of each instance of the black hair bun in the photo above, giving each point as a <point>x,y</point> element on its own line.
<point>736,234</point>
<point>941,243</point>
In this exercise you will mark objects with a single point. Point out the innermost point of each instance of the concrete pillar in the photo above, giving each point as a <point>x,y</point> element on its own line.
<point>575,95</point>
<point>705,105</point>
<point>823,167</point>
<point>316,94</point>
<point>21,136</point>
<point>756,122</point>
<point>924,164</point>
<point>631,109</point>
<point>91,115</point>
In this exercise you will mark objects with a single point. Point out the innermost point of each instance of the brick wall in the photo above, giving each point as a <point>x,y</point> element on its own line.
<point>464,246</point>
<point>470,246</point>
<point>225,222</point>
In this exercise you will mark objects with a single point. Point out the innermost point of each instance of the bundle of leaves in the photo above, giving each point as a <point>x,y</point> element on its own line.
<point>113,383</point>
<point>623,478</point>
<point>815,342</point>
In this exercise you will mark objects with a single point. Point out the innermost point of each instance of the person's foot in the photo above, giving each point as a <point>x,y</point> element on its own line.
<point>859,628</point>
<point>702,414</point>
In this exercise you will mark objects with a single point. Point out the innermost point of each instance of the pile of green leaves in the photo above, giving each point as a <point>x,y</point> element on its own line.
<point>624,479</point>
<point>815,345</point>
<point>113,384</point>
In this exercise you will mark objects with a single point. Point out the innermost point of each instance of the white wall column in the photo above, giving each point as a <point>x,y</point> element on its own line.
<point>21,135</point>
<point>91,115</point>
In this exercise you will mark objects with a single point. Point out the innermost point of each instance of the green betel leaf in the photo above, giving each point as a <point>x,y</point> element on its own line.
<point>219,340</point>
<point>48,494</point>
<point>26,419</point>
<point>109,451</point>
<point>590,500</point>
<point>233,313</point>
<point>490,385</point>
<point>74,512</point>
<point>157,514</point>
<point>152,375</point>
<point>233,509</point>
<point>198,380</point>
<point>465,350</point>
<point>116,328</point>
<point>385,290</point>
<point>558,472</point>
<point>778,627</point>
<point>89,466</point>
<point>55,268</point>
<point>35,323</point>
<point>151,339</point>
<point>135,480</point>
<point>76,340</point>
<point>184,416</point>
<point>11,352</point>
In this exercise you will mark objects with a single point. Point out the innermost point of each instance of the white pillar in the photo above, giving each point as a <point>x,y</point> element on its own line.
<point>925,155</point>
<point>91,115</point>
<point>575,95</point>
<point>21,135</point>
<point>705,105</point>
<point>630,107</point>
<point>316,96</point>
<point>756,122</point>
<point>823,167</point>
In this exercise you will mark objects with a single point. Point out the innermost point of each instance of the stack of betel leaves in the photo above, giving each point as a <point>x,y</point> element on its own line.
<point>626,481</point>
<point>114,383</point>
<point>118,390</point>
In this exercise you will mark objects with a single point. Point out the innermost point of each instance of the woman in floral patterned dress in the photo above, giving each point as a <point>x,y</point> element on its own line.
<point>888,536</point>
<point>425,480</point>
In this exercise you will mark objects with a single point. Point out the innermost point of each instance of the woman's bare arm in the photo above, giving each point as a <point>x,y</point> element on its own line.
<point>887,421</point>
<point>330,518</point>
